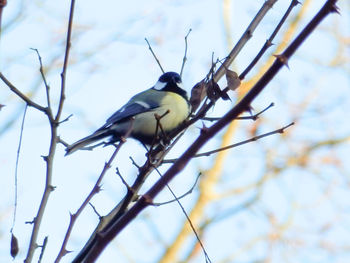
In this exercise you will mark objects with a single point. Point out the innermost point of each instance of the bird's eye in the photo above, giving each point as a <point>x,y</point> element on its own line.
<point>178,79</point>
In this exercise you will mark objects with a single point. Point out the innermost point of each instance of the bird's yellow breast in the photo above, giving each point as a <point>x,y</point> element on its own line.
<point>178,111</point>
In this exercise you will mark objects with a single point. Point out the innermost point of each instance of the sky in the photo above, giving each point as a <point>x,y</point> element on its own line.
<point>109,63</point>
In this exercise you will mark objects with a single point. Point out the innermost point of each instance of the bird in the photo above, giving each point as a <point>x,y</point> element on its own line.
<point>166,100</point>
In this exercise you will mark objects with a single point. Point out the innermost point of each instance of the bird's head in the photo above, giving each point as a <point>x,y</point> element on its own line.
<point>171,81</point>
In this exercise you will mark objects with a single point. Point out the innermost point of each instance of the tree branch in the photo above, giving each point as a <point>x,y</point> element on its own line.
<point>178,166</point>
<point>21,95</point>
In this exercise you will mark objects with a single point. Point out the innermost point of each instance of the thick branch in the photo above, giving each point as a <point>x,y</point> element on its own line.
<point>143,202</point>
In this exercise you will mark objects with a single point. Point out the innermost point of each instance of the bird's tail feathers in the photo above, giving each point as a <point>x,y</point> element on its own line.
<point>96,136</point>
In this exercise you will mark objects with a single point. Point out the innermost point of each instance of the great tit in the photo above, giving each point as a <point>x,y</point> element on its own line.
<point>166,99</point>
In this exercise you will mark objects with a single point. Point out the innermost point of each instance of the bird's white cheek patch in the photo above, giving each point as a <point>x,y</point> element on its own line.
<point>143,104</point>
<point>179,85</point>
<point>159,85</point>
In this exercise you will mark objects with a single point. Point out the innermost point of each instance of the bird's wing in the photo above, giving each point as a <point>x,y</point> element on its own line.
<point>133,107</point>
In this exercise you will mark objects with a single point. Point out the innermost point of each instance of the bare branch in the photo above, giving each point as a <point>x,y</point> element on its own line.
<point>181,196</point>
<point>123,180</point>
<point>207,259</point>
<point>268,42</point>
<point>255,138</point>
<point>245,102</point>
<point>252,117</point>
<point>21,95</point>
<point>65,62</point>
<point>154,55</point>
<point>244,39</point>
<point>16,168</point>
<point>95,210</point>
<point>52,149</point>
<point>43,246</point>
<point>185,55</point>
<point>47,87</point>
<point>94,191</point>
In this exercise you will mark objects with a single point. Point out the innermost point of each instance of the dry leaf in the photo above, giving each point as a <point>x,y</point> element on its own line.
<point>233,81</point>
<point>14,246</point>
<point>198,93</point>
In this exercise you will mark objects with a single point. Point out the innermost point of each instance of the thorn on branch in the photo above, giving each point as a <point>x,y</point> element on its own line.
<point>204,129</point>
<point>283,59</point>
<point>148,199</point>
<point>30,222</point>
<point>296,2</point>
<point>335,9</point>
<point>98,188</point>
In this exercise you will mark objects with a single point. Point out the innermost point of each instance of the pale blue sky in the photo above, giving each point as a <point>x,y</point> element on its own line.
<point>110,62</point>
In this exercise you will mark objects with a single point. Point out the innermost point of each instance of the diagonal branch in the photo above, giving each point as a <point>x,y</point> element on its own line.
<point>49,159</point>
<point>65,62</point>
<point>178,166</point>
<point>268,42</point>
<point>253,139</point>
<point>21,95</point>
<point>244,39</point>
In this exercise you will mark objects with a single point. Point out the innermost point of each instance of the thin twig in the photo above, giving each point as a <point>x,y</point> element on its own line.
<point>142,203</point>
<point>66,119</point>
<point>255,138</point>
<point>122,179</point>
<point>43,246</point>
<point>244,39</point>
<point>74,216</point>
<point>95,210</point>
<point>154,55</point>
<point>65,62</point>
<point>41,69</point>
<point>185,55</point>
<point>94,191</point>
<point>131,196</point>
<point>134,163</point>
<point>93,247</point>
<point>268,42</point>
<point>16,168</point>
<point>181,196</point>
<point>252,117</point>
<point>207,259</point>
<point>21,95</point>
<point>52,148</point>
<point>158,127</point>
